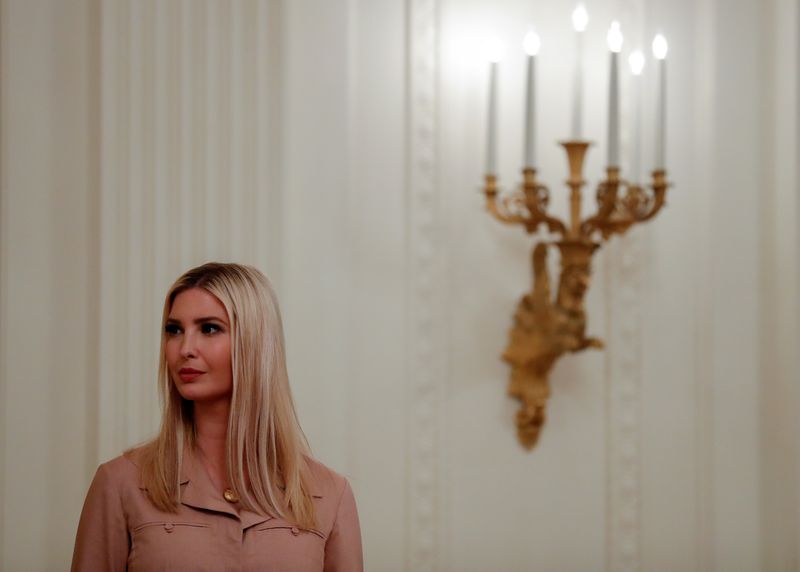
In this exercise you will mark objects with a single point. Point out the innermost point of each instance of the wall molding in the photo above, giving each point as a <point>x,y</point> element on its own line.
<point>625,265</point>
<point>624,269</point>
<point>425,293</point>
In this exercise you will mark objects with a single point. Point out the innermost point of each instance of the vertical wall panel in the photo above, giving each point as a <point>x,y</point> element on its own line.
<point>269,153</point>
<point>108,177</point>
<point>780,282</point>
<point>29,229</point>
<point>136,278</point>
<point>372,258</point>
<point>247,137</point>
<point>701,212</point>
<point>162,189</point>
<point>734,237</point>
<point>213,230</point>
<point>120,373</point>
<point>178,184</point>
<point>624,270</point>
<point>261,148</point>
<point>202,218</point>
<point>234,102</point>
<point>426,296</point>
<point>173,56</point>
<point>625,264</point>
<point>147,309</point>
<point>186,104</point>
<point>223,217</point>
<point>48,115</point>
<point>315,218</point>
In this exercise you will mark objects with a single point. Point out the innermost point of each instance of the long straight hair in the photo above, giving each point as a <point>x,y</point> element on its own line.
<point>266,449</point>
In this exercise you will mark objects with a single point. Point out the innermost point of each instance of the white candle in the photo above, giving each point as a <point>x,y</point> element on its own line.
<point>615,45</point>
<point>580,19</point>
<point>491,140</point>
<point>494,52</point>
<point>660,52</point>
<point>531,45</point>
<point>636,61</point>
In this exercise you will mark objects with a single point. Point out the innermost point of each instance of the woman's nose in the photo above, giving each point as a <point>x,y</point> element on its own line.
<point>188,345</point>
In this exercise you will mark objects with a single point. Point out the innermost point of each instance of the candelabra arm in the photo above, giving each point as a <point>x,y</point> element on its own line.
<point>617,214</point>
<point>507,210</point>
<point>537,197</point>
<point>607,193</point>
<point>526,206</point>
<point>660,186</point>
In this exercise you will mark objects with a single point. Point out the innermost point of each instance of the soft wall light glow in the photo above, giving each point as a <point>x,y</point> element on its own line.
<point>493,49</point>
<point>531,43</point>
<point>660,47</point>
<point>636,62</point>
<point>615,37</point>
<point>580,18</point>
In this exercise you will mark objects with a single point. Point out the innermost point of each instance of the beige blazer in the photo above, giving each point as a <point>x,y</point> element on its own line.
<point>120,529</point>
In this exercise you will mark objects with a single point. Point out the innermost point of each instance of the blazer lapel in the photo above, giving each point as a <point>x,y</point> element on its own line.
<point>197,491</point>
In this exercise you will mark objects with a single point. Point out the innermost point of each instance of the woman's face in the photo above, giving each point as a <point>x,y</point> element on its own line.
<point>198,346</point>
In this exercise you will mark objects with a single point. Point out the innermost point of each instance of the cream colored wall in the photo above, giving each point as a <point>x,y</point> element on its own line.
<point>780,268</point>
<point>190,172</point>
<point>338,145</point>
<point>49,276</point>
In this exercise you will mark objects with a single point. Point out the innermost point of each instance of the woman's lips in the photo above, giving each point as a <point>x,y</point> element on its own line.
<point>187,375</point>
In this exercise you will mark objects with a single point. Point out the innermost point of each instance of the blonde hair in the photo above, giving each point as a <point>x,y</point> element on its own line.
<point>266,449</point>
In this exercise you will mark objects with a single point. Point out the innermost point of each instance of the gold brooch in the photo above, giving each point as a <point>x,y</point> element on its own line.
<point>230,496</point>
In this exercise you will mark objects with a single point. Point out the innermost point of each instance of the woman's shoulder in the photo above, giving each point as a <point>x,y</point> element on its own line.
<point>336,514</point>
<point>124,468</point>
<point>324,481</point>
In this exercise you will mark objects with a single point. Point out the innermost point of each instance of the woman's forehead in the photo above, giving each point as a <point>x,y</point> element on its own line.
<point>197,302</point>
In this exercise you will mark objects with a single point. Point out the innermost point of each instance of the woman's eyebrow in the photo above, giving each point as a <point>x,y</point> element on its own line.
<point>197,320</point>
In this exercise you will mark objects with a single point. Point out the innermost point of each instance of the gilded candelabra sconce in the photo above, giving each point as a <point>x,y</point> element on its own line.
<point>546,326</point>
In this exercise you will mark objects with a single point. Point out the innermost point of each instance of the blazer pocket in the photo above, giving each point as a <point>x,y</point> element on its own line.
<point>172,545</point>
<point>280,545</point>
<point>168,526</point>
<point>280,527</point>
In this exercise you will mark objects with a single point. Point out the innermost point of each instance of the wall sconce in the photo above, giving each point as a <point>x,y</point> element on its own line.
<point>546,327</point>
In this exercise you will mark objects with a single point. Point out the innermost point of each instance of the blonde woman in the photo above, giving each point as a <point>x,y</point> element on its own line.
<point>228,483</point>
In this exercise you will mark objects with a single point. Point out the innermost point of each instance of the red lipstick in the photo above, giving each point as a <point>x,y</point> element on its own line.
<point>189,374</point>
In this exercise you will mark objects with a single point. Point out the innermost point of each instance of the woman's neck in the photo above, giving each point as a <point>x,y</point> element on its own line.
<point>211,431</point>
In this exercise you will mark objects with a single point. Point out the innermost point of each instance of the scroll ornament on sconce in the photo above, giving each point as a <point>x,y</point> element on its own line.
<point>545,327</point>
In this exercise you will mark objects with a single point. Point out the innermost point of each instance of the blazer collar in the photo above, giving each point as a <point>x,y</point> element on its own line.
<point>198,491</point>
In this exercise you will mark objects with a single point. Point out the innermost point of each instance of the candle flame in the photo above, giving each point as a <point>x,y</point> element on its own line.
<point>493,49</point>
<point>660,47</point>
<point>636,62</point>
<point>531,43</point>
<point>614,37</point>
<point>580,18</point>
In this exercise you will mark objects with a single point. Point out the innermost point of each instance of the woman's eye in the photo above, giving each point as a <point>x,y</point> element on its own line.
<point>211,328</point>
<point>171,329</point>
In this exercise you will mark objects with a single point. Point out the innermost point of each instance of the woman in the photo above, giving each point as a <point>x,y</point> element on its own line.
<point>228,483</point>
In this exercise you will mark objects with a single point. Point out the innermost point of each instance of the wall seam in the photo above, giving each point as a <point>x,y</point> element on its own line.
<point>3,286</point>
<point>424,250</point>
<point>703,333</point>
<point>94,115</point>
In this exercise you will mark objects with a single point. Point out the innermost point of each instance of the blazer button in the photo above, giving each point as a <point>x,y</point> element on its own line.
<point>169,527</point>
<point>295,530</point>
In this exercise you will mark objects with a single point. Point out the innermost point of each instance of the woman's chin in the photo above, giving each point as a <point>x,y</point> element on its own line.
<point>199,394</point>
